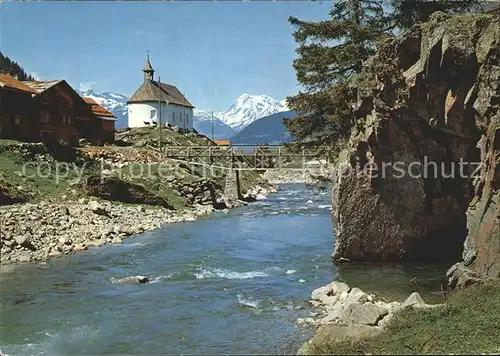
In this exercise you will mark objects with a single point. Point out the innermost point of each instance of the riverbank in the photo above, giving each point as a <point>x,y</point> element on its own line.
<point>56,200</point>
<point>468,323</point>
<point>38,232</point>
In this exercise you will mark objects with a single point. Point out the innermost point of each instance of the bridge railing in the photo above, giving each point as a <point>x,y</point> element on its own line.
<point>246,157</point>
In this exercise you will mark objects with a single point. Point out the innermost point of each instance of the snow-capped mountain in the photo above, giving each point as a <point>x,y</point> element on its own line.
<point>116,103</point>
<point>248,108</point>
<point>245,110</point>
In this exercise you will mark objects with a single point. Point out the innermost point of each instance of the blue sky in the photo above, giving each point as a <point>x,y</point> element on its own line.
<point>213,51</point>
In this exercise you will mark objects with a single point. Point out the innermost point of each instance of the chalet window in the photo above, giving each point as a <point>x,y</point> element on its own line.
<point>152,114</point>
<point>17,120</point>
<point>44,117</point>
<point>187,118</point>
<point>173,116</point>
<point>47,134</point>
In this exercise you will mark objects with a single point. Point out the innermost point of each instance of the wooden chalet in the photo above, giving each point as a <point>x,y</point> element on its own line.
<point>51,111</point>
<point>106,119</point>
<point>16,109</point>
<point>62,113</point>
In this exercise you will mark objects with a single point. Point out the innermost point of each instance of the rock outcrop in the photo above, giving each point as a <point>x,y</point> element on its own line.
<point>344,313</point>
<point>202,191</point>
<point>407,184</point>
<point>115,189</point>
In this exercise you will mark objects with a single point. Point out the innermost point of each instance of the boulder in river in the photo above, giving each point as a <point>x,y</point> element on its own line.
<point>131,280</point>
<point>97,208</point>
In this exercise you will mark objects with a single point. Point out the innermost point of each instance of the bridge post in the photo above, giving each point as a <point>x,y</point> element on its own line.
<point>232,157</point>
<point>232,187</point>
<point>279,156</point>
<point>255,150</point>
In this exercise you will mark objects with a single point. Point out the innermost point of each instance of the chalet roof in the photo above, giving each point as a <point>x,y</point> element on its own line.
<point>159,92</point>
<point>175,96</point>
<point>9,82</point>
<point>222,142</point>
<point>98,110</point>
<point>42,85</point>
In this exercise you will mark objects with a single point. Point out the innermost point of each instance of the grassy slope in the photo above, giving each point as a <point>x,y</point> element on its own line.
<point>35,186</point>
<point>151,136</point>
<point>470,324</point>
<point>154,180</point>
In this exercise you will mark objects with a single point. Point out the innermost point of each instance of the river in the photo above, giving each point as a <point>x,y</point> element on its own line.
<point>231,283</point>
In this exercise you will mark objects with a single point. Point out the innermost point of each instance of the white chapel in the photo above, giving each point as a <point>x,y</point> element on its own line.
<point>157,103</point>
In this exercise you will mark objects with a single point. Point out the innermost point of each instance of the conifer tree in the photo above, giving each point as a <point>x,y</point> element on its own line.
<point>8,66</point>
<point>330,58</point>
<point>330,55</point>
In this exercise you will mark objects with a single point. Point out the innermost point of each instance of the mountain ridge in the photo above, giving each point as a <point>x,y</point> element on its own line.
<point>266,130</point>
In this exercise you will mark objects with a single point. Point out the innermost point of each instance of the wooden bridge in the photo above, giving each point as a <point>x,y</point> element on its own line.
<point>245,157</point>
<point>236,158</point>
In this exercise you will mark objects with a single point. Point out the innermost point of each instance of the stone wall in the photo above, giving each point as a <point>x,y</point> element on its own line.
<point>201,192</point>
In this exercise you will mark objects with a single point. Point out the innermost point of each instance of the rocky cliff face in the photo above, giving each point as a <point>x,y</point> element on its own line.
<point>427,116</point>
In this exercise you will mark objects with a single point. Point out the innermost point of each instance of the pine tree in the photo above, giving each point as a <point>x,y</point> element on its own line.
<point>330,56</point>
<point>10,67</point>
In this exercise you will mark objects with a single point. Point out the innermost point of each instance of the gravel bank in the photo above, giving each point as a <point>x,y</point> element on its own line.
<point>37,232</point>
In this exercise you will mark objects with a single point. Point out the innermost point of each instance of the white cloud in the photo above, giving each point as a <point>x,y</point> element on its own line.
<point>87,85</point>
<point>147,35</point>
<point>35,75</point>
<point>141,33</point>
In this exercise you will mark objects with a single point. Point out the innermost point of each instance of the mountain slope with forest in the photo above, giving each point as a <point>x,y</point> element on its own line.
<point>11,67</point>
